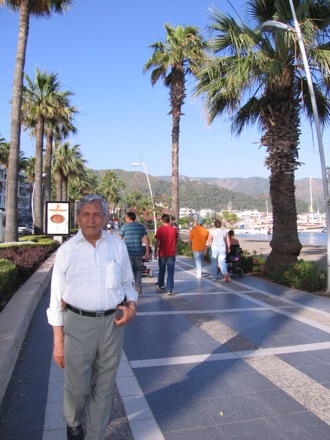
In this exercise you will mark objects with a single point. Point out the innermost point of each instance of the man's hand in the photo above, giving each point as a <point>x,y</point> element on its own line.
<point>128,310</point>
<point>58,352</point>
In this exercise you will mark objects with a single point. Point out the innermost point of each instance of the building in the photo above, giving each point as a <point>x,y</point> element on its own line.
<point>24,194</point>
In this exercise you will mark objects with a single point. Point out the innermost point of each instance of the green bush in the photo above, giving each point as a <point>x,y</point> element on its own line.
<point>8,271</point>
<point>19,261</point>
<point>303,275</point>
<point>182,248</point>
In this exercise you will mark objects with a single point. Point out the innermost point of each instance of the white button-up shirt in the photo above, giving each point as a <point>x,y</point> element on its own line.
<point>90,278</point>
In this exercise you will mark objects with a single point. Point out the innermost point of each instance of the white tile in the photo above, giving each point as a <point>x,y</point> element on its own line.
<point>56,434</point>
<point>54,417</point>
<point>146,430</point>
<point>137,408</point>
<point>128,386</point>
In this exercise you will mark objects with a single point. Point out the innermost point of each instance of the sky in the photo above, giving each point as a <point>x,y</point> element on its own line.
<point>99,53</point>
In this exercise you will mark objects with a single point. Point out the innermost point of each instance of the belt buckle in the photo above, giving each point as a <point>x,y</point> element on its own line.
<point>99,314</point>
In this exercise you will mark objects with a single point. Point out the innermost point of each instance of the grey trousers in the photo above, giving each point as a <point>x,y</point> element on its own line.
<point>92,350</point>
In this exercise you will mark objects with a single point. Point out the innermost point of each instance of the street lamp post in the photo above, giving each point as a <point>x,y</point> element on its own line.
<point>139,164</point>
<point>276,26</point>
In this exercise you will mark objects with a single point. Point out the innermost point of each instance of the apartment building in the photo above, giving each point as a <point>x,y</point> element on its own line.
<point>24,194</point>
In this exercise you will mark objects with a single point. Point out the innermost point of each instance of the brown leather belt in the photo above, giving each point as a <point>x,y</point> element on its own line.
<point>91,314</point>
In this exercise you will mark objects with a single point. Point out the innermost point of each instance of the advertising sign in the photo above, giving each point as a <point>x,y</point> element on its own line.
<point>58,218</point>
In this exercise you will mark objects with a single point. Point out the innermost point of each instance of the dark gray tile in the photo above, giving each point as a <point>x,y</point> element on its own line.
<point>274,402</point>
<point>300,426</point>
<point>321,355</point>
<point>257,429</point>
<point>228,409</point>
<point>208,433</point>
<point>250,383</point>
<point>320,373</point>
<point>175,414</point>
<point>299,359</point>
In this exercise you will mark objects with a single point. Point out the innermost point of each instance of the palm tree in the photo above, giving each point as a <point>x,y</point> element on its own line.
<point>68,163</point>
<point>260,79</point>
<point>26,8</point>
<point>57,128</point>
<point>181,54</point>
<point>42,104</point>
<point>37,105</point>
<point>109,188</point>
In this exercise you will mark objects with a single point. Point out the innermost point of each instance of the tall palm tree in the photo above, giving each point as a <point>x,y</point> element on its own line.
<point>110,187</point>
<point>57,128</point>
<point>68,163</point>
<point>26,8</point>
<point>181,54</point>
<point>259,78</point>
<point>42,102</point>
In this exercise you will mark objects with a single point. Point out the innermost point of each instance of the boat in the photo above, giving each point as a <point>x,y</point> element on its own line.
<point>312,228</point>
<point>314,220</point>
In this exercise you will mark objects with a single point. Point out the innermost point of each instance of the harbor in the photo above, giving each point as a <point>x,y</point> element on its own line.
<point>314,245</point>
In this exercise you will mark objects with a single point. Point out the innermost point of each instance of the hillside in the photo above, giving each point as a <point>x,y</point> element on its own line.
<point>218,194</point>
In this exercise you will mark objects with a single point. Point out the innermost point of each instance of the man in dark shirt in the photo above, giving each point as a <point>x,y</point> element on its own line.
<point>133,233</point>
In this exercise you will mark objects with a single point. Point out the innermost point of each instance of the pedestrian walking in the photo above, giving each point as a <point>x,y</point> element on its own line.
<point>198,237</point>
<point>165,250</point>
<point>92,298</point>
<point>134,234</point>
<point>219,242</point>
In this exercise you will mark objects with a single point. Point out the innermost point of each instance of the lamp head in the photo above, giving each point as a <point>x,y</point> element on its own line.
<point>136,164</point>
<point>275,26</point>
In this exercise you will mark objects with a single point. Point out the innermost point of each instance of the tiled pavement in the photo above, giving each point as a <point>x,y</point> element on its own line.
<point>242,360</point>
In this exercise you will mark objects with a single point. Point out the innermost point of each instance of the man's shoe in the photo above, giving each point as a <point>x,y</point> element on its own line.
<point>160,288</point>
<point>139,291</point>
<point>169,292</point>
<point>226,278</point>
<point>75,433</point>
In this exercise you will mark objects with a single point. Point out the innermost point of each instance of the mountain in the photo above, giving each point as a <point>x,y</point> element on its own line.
<point>220,193</point>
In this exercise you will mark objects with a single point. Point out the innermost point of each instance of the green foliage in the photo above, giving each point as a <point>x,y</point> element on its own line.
<point>303,275</point>
<point>230,217</point>
<point>151,238</point>
<point>184,222</point>
<point>245,193</point>
<point>182,248</point>
<point>8,272</point>
<point>25,257</point>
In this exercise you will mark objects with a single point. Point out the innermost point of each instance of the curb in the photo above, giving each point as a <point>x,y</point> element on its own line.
<point>15,319</point>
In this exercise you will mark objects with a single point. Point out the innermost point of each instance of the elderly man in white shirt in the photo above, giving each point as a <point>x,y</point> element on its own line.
<point>92,298</point>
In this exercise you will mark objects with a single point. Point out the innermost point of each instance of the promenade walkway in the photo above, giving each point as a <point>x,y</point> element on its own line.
<point>242,360</point>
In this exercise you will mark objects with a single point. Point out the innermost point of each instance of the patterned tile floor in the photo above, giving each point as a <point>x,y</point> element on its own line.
<point>242,360</point>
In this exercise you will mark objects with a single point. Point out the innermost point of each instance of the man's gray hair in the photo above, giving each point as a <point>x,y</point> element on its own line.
<point>90,199</point>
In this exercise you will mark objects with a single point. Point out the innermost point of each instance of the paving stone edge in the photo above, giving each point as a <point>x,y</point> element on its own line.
<point>15,319</point>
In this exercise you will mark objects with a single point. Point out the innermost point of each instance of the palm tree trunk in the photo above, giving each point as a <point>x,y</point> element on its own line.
<point>38,196</point>
<point>64,188</point>
<point>58,179</point>
<point>175,168</point>
<point>177,99</point>
<point>48,171</point>
<point>285,243</point>
<point>48,165</point>
<point>15,127</point>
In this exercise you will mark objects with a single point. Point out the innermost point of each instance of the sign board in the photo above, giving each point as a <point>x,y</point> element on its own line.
<point>58,218</point>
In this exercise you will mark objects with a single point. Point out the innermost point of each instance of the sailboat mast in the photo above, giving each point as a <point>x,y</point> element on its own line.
<point>311,196</point>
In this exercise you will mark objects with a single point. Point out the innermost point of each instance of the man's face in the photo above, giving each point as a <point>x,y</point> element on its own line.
<point>91,220</point>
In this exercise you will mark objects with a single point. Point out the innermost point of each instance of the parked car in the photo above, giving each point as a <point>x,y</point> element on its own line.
<point>22,228</point>
<point>30,228</point>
